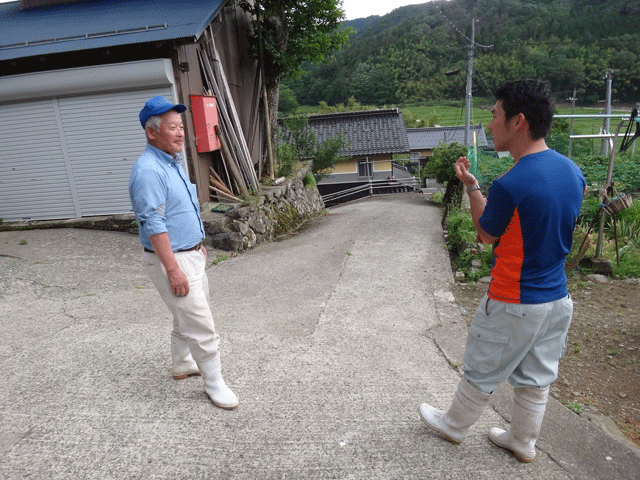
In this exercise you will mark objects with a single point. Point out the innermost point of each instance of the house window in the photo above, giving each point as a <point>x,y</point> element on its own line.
<point>365,168</point>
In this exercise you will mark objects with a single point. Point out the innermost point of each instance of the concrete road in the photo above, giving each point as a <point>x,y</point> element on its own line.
<point>330,338</point>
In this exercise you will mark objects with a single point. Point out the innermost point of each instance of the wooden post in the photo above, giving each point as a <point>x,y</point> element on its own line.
<point>226,156</point>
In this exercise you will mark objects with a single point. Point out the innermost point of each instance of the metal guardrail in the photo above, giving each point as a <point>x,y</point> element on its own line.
<point>373,187</point>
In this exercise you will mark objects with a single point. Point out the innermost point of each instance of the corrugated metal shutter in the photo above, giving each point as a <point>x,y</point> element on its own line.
<point>33,175</point>
<point>104,138</point>
<point>71,157</point>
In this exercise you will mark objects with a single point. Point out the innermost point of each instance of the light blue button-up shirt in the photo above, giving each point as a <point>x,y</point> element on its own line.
<point>164,200</point>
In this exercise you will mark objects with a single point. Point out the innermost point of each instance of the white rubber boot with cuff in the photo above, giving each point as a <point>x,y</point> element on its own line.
<point>183,364</point>
<point>214,385</point>
<point>466,407</point>
<point>529,405</point>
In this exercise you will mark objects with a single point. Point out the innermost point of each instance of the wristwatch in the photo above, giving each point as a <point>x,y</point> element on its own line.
<point>473,187</point>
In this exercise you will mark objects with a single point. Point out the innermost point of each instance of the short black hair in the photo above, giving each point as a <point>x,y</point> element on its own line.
<point>533,99</point>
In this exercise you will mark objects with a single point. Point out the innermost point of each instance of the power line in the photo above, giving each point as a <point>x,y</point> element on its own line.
<point>471,42</point>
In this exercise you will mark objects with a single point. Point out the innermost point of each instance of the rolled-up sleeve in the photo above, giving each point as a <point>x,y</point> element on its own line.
<point>148,192</point>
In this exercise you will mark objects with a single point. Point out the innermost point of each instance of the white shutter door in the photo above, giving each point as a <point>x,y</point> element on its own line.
<point>71,157</point>
<point>104,137</point>
<point>34,178</point>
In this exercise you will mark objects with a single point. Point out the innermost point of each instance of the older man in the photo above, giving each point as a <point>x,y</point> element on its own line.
<point>171,232</point>
<point>519,331</point>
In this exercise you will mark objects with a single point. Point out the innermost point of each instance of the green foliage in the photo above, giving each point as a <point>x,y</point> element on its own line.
<point>297,132</point>
<point>418,53</point>
<point>351,106</point>
<point>220,258</point>
<point>441,168</point>
<point>297,141</point>
<point>444,156</point>
<point>627,261</point>
<point>630,215</point>
<point>626,170</point>
<point>286,159</point>
<point>309,181</point>
<point>491,167</point>
<point>460,231</point>
<point>285,35</point>
<point>577,407</point>
<point>413,121</point>
<point>461,242</point>
<point>288,103</point>
<point>326,155</point>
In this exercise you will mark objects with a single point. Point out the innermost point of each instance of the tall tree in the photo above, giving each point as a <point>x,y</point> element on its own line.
<point>289,32</point>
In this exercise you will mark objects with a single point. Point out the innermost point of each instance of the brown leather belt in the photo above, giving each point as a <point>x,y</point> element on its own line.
<point>195,247</point>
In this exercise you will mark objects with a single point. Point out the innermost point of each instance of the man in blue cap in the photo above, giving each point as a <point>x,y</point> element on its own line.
<point>171,232</point>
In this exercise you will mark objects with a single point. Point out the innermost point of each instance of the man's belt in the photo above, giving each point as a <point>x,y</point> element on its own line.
<point>195,247</point>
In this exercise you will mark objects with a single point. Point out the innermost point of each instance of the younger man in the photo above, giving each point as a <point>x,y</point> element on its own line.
<point>519,331</point>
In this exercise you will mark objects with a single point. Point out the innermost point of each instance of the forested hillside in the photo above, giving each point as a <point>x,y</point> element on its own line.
<point>411,55</point>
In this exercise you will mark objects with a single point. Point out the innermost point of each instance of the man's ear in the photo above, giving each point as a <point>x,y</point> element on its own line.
<point>151,133</point>
<point>520,120</point>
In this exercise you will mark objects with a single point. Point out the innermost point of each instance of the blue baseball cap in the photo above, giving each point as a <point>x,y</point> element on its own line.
<point>157,106</point>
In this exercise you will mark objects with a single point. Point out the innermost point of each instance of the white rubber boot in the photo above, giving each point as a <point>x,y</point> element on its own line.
<point>466,407</point>
<point>214,385</point>
<point>529,405</point>
<point>183,364</point>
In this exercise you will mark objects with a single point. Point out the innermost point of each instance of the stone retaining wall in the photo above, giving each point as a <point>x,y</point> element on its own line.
<point>273,212</point>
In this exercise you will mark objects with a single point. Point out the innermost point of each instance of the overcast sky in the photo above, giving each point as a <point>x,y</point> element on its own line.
<point>361,8</point>
<point>365,8</point>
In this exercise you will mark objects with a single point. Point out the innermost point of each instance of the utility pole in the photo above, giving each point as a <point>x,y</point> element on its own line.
<point>604,149</point>
<point>470,51</point>
<point>573,111</point>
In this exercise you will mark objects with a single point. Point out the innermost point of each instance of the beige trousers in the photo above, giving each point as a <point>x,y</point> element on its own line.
<point>192,319</point>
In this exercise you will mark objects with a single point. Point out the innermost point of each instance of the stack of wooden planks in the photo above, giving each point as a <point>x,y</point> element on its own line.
<point>235,154</point>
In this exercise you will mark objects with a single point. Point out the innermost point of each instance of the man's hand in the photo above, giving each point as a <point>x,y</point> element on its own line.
<point>462,167</point>
<point>178,281</point>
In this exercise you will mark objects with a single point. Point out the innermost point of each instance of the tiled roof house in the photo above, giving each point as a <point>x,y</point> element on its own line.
<point>422,141</point>
<point>371,138</point>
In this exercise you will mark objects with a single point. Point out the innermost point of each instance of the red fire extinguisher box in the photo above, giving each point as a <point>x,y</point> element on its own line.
<point>204,109</point>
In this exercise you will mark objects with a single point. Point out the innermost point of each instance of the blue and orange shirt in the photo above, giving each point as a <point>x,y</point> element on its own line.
<point>533,209</point>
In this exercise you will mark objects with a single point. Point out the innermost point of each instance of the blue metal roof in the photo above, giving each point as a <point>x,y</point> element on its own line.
<point>97,24</point>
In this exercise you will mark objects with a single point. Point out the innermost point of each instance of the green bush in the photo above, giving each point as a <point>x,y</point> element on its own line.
<point>326,155</point>
<point>629,263</point>
<point>437,197</point>
<point>309,181</point>
<point>626,170</point>
<point>631,214</point>
<point>461,242</point>
<point>460,231</point>
<point>286,159</point>
<point>490,167</point>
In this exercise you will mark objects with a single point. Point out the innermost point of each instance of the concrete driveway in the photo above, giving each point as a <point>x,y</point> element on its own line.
<point>330,338</point>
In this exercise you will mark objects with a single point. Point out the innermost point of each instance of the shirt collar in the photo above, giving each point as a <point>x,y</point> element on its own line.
<point>175,158</point>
